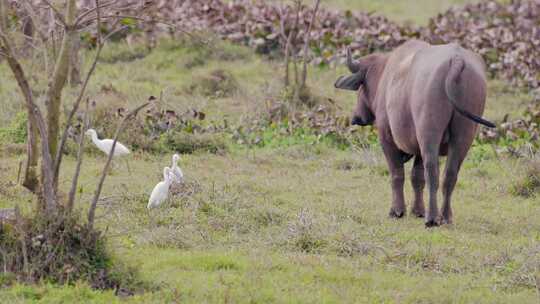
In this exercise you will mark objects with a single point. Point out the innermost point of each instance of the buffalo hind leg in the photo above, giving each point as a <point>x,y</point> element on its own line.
<point>431,172</point>
<point>395,158</point>
<point>418,182</point>
<point>456,155</point>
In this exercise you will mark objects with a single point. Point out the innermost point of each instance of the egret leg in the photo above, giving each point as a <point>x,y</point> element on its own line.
<point>151,218</point>
<point>111,167</point>
<point>127,165</point>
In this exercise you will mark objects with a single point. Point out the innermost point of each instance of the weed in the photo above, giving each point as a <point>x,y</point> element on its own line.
<point>16,131</point>
<point>304,234</point>
<point>529,184</point>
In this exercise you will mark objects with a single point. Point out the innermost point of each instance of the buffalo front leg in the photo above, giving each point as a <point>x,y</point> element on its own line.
<point>418,182</point>
<point>394,157</point>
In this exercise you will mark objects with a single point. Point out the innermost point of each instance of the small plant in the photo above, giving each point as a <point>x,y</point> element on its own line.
<point>529,184</point>
<point>304,233</point>
<point>217,84</point>
<point>16,131</point>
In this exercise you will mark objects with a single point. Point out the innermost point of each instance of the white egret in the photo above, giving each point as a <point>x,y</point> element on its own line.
<point>105,145</point>
<point>161,190</point>
<point>178,175</point>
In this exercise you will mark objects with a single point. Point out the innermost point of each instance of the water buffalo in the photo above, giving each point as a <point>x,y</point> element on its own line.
<point>425,101</point>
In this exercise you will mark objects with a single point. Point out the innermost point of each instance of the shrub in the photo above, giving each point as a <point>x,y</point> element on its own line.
<point>62,251</point>
<point>183,142</point>
<point>218,83</point>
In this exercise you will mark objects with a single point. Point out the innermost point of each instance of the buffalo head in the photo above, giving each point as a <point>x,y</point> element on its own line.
<point>364,79</point>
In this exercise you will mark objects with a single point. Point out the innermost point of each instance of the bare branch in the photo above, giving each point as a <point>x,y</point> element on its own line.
<point>92,211</point>
<point>82,24</point>
<point>34,17</point>
<point>81,17</point>
<point>283,17</point>
<point>74,182</point>
<point>98,25</point>
<point>20,231</point>
<point>56,13</point>
<point>306,44</point>
<point>292,36</point>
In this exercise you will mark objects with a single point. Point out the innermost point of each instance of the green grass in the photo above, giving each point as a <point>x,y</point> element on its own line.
<point>294,222</point>
<point>242,235</point>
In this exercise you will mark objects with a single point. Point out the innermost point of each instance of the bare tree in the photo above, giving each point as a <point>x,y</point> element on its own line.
<point>307,39</point>
<point>291,50</point>
<point>44,131</point>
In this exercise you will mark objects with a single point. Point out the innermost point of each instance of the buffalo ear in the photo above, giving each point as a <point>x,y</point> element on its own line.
<point>350,82</point>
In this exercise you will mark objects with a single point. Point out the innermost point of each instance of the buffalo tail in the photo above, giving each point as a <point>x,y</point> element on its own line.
<point>457,64</point>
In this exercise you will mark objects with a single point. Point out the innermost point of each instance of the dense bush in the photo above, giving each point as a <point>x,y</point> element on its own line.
<point>259,24</point>
<point>507,35</point>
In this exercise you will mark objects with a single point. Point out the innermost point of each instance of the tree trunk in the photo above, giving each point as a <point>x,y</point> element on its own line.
<point>75,66</point>
<point>31,181</point>
<point>58,80</point>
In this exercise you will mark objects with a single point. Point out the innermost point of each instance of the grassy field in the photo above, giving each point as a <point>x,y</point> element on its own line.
<point>298,222</point>
<point>417,12</point>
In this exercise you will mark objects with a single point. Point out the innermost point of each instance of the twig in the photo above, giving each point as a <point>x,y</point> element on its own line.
<point>306,43</point>
<point>283,17</point>
<point>196,37</point>
<point>92,211</point>
<point>74,182</point>
<point>56,12</point>
<point>34,18</point>
<point>290,38</point>
<point>22,235</point>
<point>94,9</point>
<point>19,172</point>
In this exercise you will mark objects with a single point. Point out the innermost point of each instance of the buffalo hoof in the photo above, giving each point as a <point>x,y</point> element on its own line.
<point>396,213</point>
<point>447,217</point>
<point>418,213</point>
<point>447,221</point>
<point>432,223</point>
